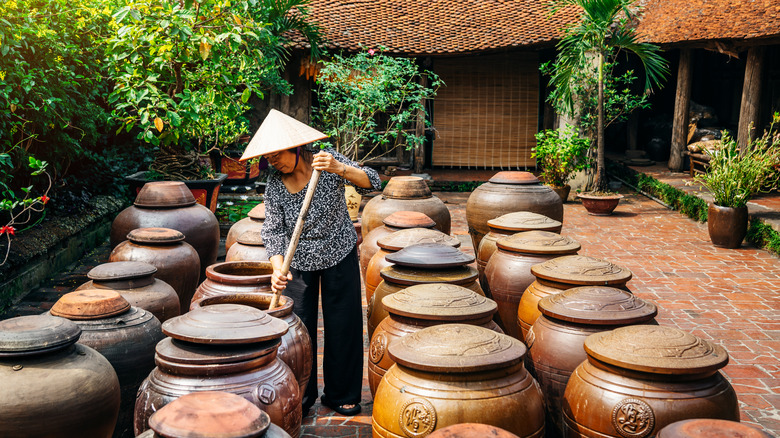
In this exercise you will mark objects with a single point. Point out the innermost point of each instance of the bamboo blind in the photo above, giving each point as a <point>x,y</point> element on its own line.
<point>487,114</point>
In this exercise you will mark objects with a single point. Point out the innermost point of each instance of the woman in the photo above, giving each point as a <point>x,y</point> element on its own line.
<point>326,259</point>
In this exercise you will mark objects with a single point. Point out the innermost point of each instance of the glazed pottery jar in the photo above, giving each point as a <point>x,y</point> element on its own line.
<point>417,307</point>
<point>456,373</point>
<point>176,261</point>
<point>136,283</point>
<point>223,347</point>
<point>51,385</point>
<point>555,341</point>
<point>561,273</point>
<point>508,192</point>
<point>248,247</point>
<point>471,430</point>
<point>229,278</point>
<point>124,335</point>
<point>170,204</point>
<point>710,428</point>
<point>405,193</point>
<point>509,270</point>
<point>640,378</point>
<point>253,221</point>
<point>400,220</point>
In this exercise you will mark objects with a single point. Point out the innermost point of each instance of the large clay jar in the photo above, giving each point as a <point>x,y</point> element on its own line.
<point>457,373</point>
<point>136,283</point>
<point>295,349</point>
<point>405,193</point>
<point>509,270</point>
<point>176,261</point>
<point>556,340</point>
<point>562,273</point>
<point>471,430</point>
<point>253,221</point>
<point>224,347</point>
<point>416,307</point>
<point>124,335</point>
<point>508,192</point>
<point>230,278</point>
<point>248,247</point>
<point>640,378</point>
<point>400,220</point>
<point>170,204</point>
<point>52,386</point>
<point>710,428</point>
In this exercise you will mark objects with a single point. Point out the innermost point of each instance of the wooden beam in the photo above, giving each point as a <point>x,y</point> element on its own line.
<point>751,96</point>
<point>419,150</point>
<point>681,101</point>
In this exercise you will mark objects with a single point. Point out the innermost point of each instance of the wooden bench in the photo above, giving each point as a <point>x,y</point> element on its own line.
<point>698,162</point>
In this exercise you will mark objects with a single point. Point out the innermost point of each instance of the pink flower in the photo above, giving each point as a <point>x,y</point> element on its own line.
<point>371,52</point>
<point>8,229</point>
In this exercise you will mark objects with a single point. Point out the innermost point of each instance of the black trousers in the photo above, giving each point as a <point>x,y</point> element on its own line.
<point>342,315</point>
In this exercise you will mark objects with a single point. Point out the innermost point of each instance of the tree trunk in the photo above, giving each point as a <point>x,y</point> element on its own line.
<point>601,171</point>
<point>419,150</point>
<point>751,97</point>
<point>681,103</point>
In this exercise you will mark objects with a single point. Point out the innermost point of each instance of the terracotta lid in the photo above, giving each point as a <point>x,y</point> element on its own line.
<point>524,221</point>
<point>461,275</point>
<point>406,187</point>
<point>90,304</point>
<point>251,238</point>
<point>430,256</point>
<point>539,242</point>
<point>597,305</point>
<point>121,271</point>
<point>656,349</point>
<point>472,430</point>
<point>28,335</point>
<point>514,177</point>
<point>225,324</point>
<point>409,219</point>
<point>403,238</point>
<point>583,270</point>
<point>164,194</point>
<point>257,213</point>
<point>439,302</point>
<point>710,428</point>
<point>456,348</point>
<point>209,414</point>
<point>188,353</point>
<point>155,236</point>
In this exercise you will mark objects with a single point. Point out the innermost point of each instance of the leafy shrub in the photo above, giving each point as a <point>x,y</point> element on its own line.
<point>560,155</point>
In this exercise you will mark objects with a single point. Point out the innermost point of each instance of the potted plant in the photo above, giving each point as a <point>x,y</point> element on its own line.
<point>560,153</point>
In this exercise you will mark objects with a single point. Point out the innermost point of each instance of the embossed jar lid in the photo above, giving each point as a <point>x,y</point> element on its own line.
<point>90,304</point>
<point>209,414</point>
<point>155,236</point>
<point>403,238</point>
<point>456,348</point>
<point>583,270</point>
<point>524,221</point>
<point>710,428</point>
<point>514,177</point>
<point>225,324</point>
<point>656,349</point>
<point>407,187</point>
<point>430,256</point>
<point>251,238</point>
<point>598,305</point>
<point>409,219</point>
<point>188,353</point>
<point>121,271</point>
<point>439,302</point>
<point>257,213</point>
<point>35,334</point>
<point>164,194</point>
<point>461,275</point>
<point>539,242</point>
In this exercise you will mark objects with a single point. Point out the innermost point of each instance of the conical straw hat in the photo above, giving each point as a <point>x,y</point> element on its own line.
<point>279,132</point>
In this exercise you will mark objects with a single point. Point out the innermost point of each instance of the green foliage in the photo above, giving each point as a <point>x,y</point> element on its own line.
<point>560,155</point>
<point>232,211</point>
<point>463,187</point>
<point>764,236</point>
<point>18,208</point>
<point>689,205</point>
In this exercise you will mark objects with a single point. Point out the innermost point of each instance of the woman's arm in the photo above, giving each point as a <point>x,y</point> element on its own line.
<point>362,177</point>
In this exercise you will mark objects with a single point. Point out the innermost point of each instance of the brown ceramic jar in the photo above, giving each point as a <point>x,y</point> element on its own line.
<point>508,192</point>
<point>471,430</point>
<point>640,378</point>
<point>51,385</point>
<point>509,270</point>
<point>561,273</point>
<point>249,247</point>
<point>456,373</point>
<point>230,278</point>
<point>405,193</point>
<point>253,221</point>
<point>555,341</point>
<point>417,307</point>
<point>136,283</point>
<point>170,204</point>
<point>176,261</point>
<point>400,220</point>
<point>710,428</point>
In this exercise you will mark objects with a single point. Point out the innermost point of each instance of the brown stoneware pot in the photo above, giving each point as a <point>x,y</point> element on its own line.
<point>562,273</point>
<point>710,428</point>
<point>555,341</point>
<point>405,193</point>
<point>455,373</point>
<point>230,278</point>
<point>417,307</point>
<point>223,347</point>
<point>727,226</point>
<point>508,192</point>
<point>600,205</point>
<point>136,283</point>
<point>51,385</point>
<point>640,378</point>
<point>176,261</point>
<point>170,204</point>
<point>471,430</point>
<point>253,221</point>
<point>249,247</point>
<point>124,335</point>
<point>400,220</point>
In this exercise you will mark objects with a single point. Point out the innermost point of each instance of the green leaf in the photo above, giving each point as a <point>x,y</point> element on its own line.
<point>246,95</point>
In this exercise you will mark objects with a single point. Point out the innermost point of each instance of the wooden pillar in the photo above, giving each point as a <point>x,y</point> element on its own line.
<point>419,150</point>
<point>751,96</point>
<point>681,102</point>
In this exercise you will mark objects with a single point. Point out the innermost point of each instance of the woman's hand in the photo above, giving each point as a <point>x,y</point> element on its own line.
<point>279,281</point>
<point>325,161</point>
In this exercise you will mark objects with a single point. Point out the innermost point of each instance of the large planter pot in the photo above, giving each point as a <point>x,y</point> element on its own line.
<point>239,173</point>
<point>205,191</point>
<point>405,193</point>
<point>727,226</point>
<point>400,220</point>
<point>600,205</point>
<point>563,192</point>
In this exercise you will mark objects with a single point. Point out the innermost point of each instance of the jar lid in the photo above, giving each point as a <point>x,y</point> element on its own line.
<point>35,334</point>
<point>257,213</point>
<point>90,304</point>
<point>472,430</point>
<point>409,219</point>
<point>583,270</point>
<point>407,187</point>
<point>461,275</point>
<point>539,242</point>
<point>710,428</point>
<point>164,194</point>
<point>403,238</point>
<point>155,235</point>
<point>209,414</point>
<point>524,221</point>
<point>456,348</point>
<point>225,324</point>
<point>656,349</point>
<point>514,177</point>
<point>188,353</point>
<point>597,305</point>
<point>121,271</point>
<point>251,238</point>
<point>430,256</point>
<point>439,302</point>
